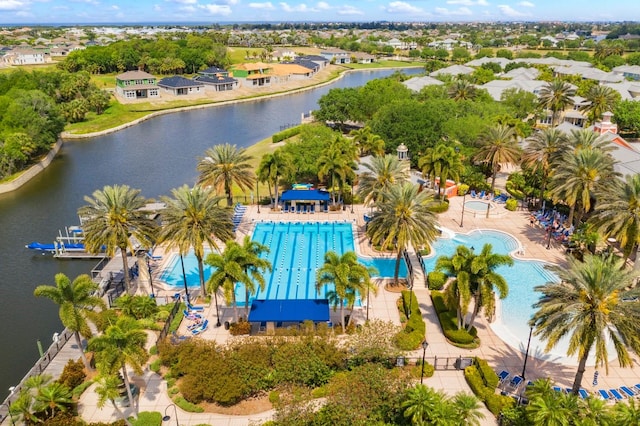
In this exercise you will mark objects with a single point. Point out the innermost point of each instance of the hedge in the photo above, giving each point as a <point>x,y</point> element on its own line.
<point>438,301</point>
<point>147,418</point>
<point>436,280</point>
<point>285,134</point>
<point>439,207</point>
<point>463,188</point>
<point>449,323</point>
<point>415,328</point>
<point>494,402</point>
<point>511,205</point>
<point>516,193</point>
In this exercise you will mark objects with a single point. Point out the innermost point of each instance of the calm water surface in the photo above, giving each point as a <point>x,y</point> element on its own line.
<point>155,156</point>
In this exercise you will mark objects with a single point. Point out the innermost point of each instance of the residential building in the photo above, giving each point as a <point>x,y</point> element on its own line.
<point>336,56</point>
<point>253,74</point>
<point>136,85</point>
<point>180,86</point>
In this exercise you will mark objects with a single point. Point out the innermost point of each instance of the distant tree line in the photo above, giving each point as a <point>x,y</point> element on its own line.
<point>163,56</point>
<point>34,107</point>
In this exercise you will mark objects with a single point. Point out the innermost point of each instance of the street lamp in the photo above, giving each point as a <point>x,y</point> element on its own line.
<point>258,195</point>
<point>464,197</point>
<point>424,353</point>
<point>184,278</point>
<point>549,237</point>
<point>167,417</point>
<point>526,354</point>
<point>410,287</point>
<point>351,197</point>
<point>215,299</point>
<point>153,293</point>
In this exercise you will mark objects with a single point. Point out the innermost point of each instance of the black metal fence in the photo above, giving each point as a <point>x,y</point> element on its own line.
<point>167,325</point>
<point>407,260</point>
<point>439,363</point>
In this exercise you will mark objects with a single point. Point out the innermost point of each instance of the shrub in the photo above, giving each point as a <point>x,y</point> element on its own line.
<point>436,280</point>
<point>286,134</point>
<point>239,328</point>
<point>487,373</point>
<point>274,397</point>
<point>155,365</point>
<point>511,204</point>
<point>439,207</point>
<point>425,251</point>
<point>153,350</point>
<point>516,193</point>
<point>73,374</point>
<point>497,403</point>
<point>463,189</point>
<point>438,301</point>
<point>187,406</point>
<point>414,330</point>
<point>147,418</point>
<point>319,392</point>
<point>483,382</point>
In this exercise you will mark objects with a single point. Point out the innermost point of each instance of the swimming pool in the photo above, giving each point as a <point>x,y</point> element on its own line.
<point>478,206</point>
<point>297,250</point>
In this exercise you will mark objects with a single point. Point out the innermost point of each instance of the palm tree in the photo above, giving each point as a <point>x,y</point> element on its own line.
<point>368,142</point>
<point>223,166</point>
<point>498,146</point>
<point>274,166</point>
<point>121,344</point>
<point>349,277</point>
<point>443,161</point>
<point>76,300</point>
<point>587,139</point>
<point>111,218</point>
<point>549,410</point>
<point>427,164</point>
<point>556,96</point>
<point>194,218</point>
<point>254,266</point>
<point>228,270</point>
<point>458,291</point>
<point>580,176</point>
<point>421,403</point>
<point>587,307</point>
<point>601,99</point>
<point>380,174</point>
<point>461,90</point>
<point>403,218</point>
<point>627,413</point>
<point>468,409</point>
<point>107,390</point>
<point>337,163</point>
<point>53,398</point>
<point>617,213</point>
<point>544,149</point>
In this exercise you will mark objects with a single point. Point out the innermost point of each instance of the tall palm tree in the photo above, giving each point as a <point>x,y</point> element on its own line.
<point>76,300</point>
<point>617,214</point>
<point>427,164</point>
<point>228,269</point>
<point>368,142</point>
<point>587,139</point>
<point>193,218</point>
<point>580,176</point>
<point>587,307</point>
<point>556,96</point>
<point>274,166</point>
<point>543,151</point>
<point>111,218</point>
<point>461,89</point>
<point>380,174</point>
<point>107,390</point>
<point>337,163</point>
<point>403,218</point>
<point>349,277</point>
<point>223,166</point>
<point>458,291</point>
<point>498,146</point>
<point>627,413</point>
<point>601,99</point>
<point>446,162</point>
<point>121,344</point>
<point>254,266</point>
<point>549,410</point>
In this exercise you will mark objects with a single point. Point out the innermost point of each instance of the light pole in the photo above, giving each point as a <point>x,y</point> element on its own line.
<point>410,287</point>
<point>464,197</point>
<point>258,195</point>
<point>549,237</point>
<point>153,293</point>
<point>352,197</point>
<point>215,299</point>
<point>424,353</point>
<point>526,354</point>
<point>167,417</point>
<point>184,278</point>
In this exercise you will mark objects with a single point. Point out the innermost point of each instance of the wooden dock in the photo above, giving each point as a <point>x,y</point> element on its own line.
<point>75,255</point>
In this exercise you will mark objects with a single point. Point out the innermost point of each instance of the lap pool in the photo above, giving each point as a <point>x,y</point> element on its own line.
<point>297,250</point>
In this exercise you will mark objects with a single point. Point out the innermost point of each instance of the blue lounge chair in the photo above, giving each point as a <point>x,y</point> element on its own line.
<point>286,208</point>
<point>604,394</point>
<point>628,392</point>
<point>616,394</point>
<point>481,196</point>
<point>503,375</point>
<point>558,389</point>
<point>200,329</point>
<point>195,308</point>
<point>473,193</point>
<point>583,393</point>
<point>516,381</point>
<point>637,387</point>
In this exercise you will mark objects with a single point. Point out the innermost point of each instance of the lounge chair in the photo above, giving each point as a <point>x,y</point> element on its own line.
<point>583,393</point>
<point>516,381</point>
<point>200,329</point>
<point>637,387</point>
<point>473,193</point>
<point>558,389</point>
<point>628,392</point>
<point>312,208</point>
<point>604,394</point>
<point>503,375</point>
<point>481,196</point>
<point>616,394</point>
<point>195,308</point>
<point>285,209</point>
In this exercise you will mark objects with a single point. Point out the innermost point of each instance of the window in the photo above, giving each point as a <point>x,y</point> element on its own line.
<point>153,92</point>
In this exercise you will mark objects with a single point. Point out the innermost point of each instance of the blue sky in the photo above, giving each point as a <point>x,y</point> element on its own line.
<point>209,11</point>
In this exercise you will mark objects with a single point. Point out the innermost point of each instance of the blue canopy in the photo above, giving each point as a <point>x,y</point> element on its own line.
<point>304,195</point>
<point>293,310</point>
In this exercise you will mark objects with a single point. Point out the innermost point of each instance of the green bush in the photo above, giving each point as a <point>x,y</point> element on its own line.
<point>496,403</point>
<point>487,373</point>
<point>73,374</point>
<point>274,397</point>
<point>463,189</point>
<point>319,392</point>
<point>240,328</point>
<point>483,382</point>
<point>449,323</point>
<point>425,251</point>
<point>459,336</point>
<point>438,301</point>
<point>414,330</point>
<point>511,204</point>
<point>408,341</point>
<point>436,280</point>
<point>155,365</point>
<point>147,418</point>
<point>516,193</point>
<point>153,350</point>
<point>285,134</point>
<point>78,390</point>
<point>187,406</point>
<point>439,206</point>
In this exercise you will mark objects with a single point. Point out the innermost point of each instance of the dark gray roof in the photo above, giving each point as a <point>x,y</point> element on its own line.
<point>176,82</point>
<point>304,63</point>
<point>221,79</point>
<point>313,58</point>
<point>213,71</point>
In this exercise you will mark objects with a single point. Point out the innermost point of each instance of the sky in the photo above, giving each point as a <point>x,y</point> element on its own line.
<point>222,11</point>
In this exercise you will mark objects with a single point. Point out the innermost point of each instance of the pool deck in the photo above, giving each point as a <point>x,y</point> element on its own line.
<point>500,355</point>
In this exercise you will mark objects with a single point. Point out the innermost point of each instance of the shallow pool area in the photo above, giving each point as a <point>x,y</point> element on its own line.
<point>297,251</point>
<point>478,206</point>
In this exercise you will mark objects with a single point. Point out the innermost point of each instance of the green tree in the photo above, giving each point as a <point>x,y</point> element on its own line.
<point>274,166</point>
<point>461,89</point>
<point>444,162</point>
<point>627,413</point>
<point>587,307</point>
<point>111,218</point>
<point>556,96</point>
<point>403,218</point>
<point>368,142</point>
<point>52,399</point>
<point>224,166</point>
<point>338,106</point>
<point>107,390</point>
<point>254,266</point>
<point>194,218</point>
<point>337,164</point>
<point>542,153</point>
<point>121,345</point>
<point>497,146</point>
<point>348,275</point>
<point>76,300</point>
<point>468,409</point>
<point>380,174</point>
<point>601,99</point>
<point>627,116</point>
<point>521,103</point>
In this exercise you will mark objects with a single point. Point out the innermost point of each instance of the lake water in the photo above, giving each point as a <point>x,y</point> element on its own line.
<point>154,156</point>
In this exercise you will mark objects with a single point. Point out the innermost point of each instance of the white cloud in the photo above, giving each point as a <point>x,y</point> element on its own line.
<point>462,11</point>
<point>469,2</point>
<point>12,4</point>
<point>263,6</point>
<point>322,5</point>
<point>216,9</point>
<point>510,12</point>
<point>349,10</point>
<point>115,7</point>
<point>183,1</point>
<point>402,7</point>
<point>526,4</point>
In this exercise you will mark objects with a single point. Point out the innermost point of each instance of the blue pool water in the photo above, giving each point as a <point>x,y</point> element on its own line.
<point>479,206</point>
<point>297,250</point>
